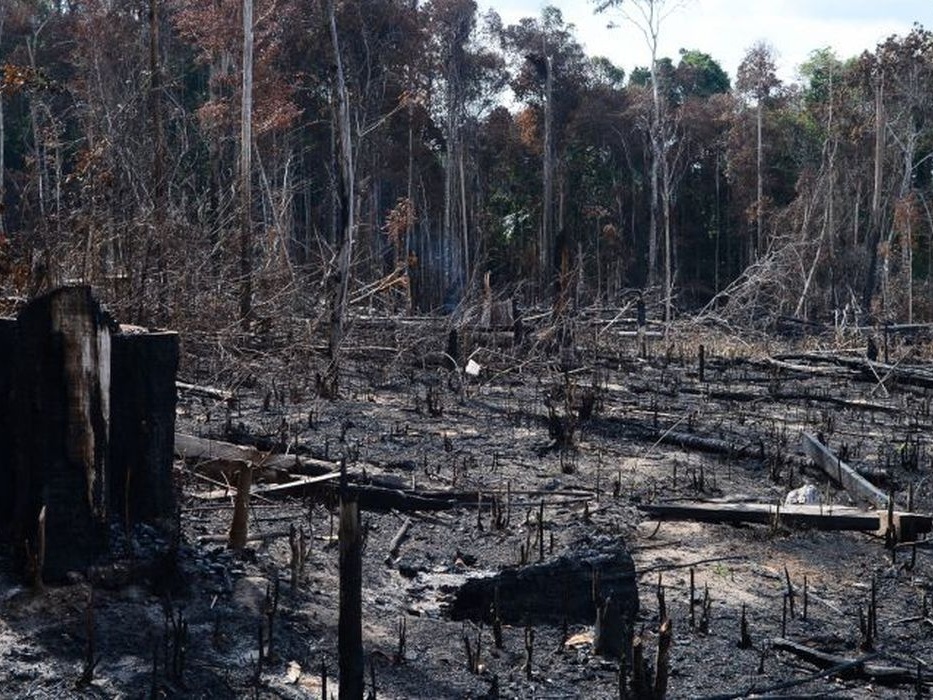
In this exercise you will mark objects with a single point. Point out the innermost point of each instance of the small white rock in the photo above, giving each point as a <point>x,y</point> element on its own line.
<point>807,494</point>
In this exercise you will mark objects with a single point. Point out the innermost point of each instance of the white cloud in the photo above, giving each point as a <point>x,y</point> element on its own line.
<point>725,29</point>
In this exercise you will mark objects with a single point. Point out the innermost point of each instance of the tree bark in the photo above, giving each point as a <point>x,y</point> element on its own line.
<point>2,152</point>
<point>547,205</point>
<point>142,419</point>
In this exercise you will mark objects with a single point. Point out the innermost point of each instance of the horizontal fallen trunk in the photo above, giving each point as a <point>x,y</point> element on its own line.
<point>204,392</point>
<point>851,367</point>
<point>797,515</point>
<point>879,673</point>
<point>205,449</point>
<point>745,449</point>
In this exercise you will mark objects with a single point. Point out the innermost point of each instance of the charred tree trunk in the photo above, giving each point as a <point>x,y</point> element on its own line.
<point>61,394</point>
<point>350,628</point>
<point>87,419</point>
<point>7,431</point>
<point>560,590</point>
<point>142,420</point>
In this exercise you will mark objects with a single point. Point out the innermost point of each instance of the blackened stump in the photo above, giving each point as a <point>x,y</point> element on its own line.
<point>87,419</point>
<point>7,431</point>
<point>61,397</point>
<point>142,425</point>
<point>559,590</point>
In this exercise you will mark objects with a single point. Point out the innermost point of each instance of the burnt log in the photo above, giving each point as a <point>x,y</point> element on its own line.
<point>567,589</point>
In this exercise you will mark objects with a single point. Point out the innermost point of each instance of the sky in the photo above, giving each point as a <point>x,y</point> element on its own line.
<point>725,29</point>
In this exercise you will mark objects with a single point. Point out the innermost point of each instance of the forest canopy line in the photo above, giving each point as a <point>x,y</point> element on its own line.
<point>440,145</point>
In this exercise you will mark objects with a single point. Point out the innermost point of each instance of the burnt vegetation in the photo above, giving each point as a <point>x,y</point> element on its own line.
<point>622,390</point>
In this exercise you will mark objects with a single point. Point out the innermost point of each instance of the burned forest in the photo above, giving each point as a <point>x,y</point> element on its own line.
<point>391,349</point>
<point>638,514</point>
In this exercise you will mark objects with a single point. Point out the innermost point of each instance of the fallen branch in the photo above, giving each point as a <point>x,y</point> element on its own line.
<point>206,392</point>
<point>755,691</point>
<point>397,540</point>
<point>851,668</point>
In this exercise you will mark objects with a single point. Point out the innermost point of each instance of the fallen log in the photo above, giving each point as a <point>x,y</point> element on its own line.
<point>291,488</point>
<point>684,440</point>
<point>377,498</point>
<point>557,591</point>
<point>849,668</point>
<point>797,515</point>
<point>857,486</point>
<point>857,368</point>
<point>208,450</point>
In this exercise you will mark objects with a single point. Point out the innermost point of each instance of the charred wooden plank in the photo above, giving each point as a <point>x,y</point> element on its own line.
<point>821,517</point>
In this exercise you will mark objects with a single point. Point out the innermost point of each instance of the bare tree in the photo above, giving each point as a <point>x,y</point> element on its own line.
<point>156,244</point>
<point>757,78</point>
<point>246,194</point>
<point>346,187</point>
<point>647,16</point>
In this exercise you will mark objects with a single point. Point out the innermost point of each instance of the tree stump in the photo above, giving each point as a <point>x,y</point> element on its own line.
<point>61,397</point>
<point>142,426</point>
<point>87,420</point>
<point>557,591</point>
<point>7,431</point>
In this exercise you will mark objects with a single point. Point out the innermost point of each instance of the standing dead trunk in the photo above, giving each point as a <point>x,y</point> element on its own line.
<point>87,418</point>
<point>8,336</point>
<point>246,194</point>
<point>759,187</point>
<point>239,527</point>
<point>547,204</point>
<point>2,152</point>
<point>346,188</point>
<point>874,225</point>
<point>142,420</point>
<point>156,244</point>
